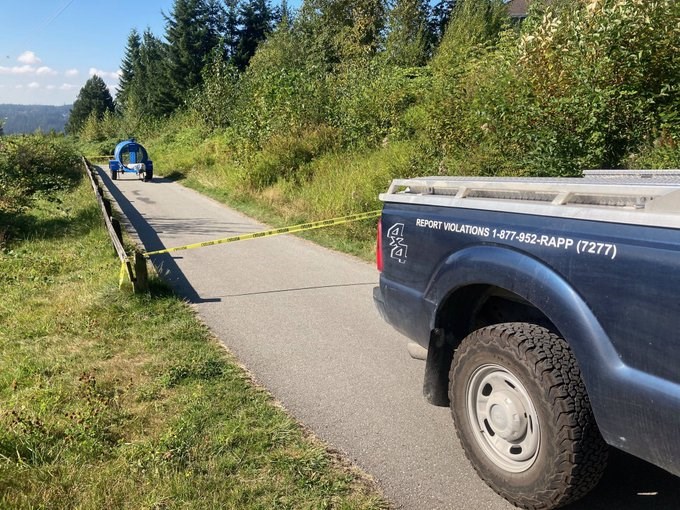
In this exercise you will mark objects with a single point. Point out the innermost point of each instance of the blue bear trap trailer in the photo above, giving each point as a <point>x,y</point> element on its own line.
<point>131,157</point>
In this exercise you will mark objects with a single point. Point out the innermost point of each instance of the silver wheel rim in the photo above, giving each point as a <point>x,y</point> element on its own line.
<point>503,418</point>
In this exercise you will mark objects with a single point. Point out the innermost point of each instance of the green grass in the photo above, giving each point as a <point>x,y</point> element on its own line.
<point>112,400</point>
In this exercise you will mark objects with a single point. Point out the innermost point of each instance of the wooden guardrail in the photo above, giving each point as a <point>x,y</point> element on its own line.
<point>140,276</point>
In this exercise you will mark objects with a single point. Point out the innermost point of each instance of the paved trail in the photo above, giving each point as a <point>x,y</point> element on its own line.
<point>301,318</point>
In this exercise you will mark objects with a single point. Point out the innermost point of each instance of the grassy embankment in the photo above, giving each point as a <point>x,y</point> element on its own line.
<point>331,185</point>
<point>109,400</point>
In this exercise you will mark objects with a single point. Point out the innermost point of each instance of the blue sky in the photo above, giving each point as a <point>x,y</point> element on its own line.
<point>49,48</point>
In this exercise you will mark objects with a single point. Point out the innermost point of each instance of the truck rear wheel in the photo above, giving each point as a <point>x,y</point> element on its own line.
<point>523,416</point>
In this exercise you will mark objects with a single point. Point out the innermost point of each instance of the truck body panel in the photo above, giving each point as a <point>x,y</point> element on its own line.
<point>604,271</point>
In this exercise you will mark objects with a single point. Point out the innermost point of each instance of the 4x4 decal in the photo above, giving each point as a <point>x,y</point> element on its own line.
<point>396,236</point>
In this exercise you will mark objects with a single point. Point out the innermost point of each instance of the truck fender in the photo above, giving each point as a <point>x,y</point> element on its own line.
<point>538,284</point>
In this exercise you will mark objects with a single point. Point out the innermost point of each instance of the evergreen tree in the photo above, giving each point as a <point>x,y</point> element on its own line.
<point>409,38</point>
<point>256,21</point>
<point>441,15</point>
<point>284,16</point>
<point>93,99</point>
<point>129,67</point>
<point>193,30</point>
<point>152,89</point>
<point>231,31</point>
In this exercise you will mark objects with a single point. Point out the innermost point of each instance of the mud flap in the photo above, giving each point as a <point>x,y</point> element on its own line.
<point>439,356</point>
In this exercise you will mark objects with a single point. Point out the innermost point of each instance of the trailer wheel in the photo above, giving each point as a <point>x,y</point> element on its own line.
<point>523,417</point>
<point>148,175</point>
<point>114,175</point>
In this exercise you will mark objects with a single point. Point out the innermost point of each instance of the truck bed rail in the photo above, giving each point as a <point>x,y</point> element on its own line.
<point>645,197</point>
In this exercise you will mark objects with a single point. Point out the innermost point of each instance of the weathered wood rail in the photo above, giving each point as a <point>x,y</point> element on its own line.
<point>137,272</point>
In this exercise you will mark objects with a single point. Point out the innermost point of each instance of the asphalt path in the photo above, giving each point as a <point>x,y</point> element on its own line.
<point>301,319</point>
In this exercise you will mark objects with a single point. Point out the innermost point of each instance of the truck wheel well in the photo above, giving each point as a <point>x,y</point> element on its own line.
<point>467,310</point>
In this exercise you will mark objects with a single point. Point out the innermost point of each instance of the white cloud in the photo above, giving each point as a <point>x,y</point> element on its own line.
<point>26,69</point>
<point>28,57</point>
<point>44,70</point>
<point>114,75</point>
<point>67,86</point>
<point>51,87</point>
<point>71,72</point>
<point>18,86</point>
<point>34,85</point>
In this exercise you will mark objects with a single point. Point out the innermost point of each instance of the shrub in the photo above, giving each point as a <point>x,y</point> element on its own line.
<point>369,100</point>
<point>279,92</point>
<point>37,164</point>
<point>583,85</point>
<point>602,78</point>
<point>31,166</point>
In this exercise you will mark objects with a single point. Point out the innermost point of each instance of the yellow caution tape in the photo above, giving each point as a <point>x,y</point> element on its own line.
<point>124,270</point>
<point>274,232</point>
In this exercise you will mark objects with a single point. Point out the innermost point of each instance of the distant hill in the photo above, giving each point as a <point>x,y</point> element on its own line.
<point>20,118</point>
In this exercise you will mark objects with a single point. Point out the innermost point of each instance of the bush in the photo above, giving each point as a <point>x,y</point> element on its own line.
<point>602,76</point>
<point>215,101</point>
<point>459,68</point>
<point>661,155</point>
<point>30,166</point>
<point>36,164</point>
<point>584,85</point>
<point>369,100</point>
<point>280,92</point>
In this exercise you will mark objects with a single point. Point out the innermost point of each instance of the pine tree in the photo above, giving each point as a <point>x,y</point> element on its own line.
<point>441,15</point>
<point>152,89</point>
<point>193,30</point>
<point>284,15</point>
<point>93,99</point>
<point>129,67</point>
<point>256,21</point>
<point>409,38</point>
<point>230,35</point>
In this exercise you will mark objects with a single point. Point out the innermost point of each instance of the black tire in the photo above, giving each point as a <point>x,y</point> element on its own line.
<point>523,417</point>
<point>114,175</point>
<point>148,175</point>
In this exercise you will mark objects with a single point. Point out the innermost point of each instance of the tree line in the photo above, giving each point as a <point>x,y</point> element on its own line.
<point>160,74</point>
<point>578,84</point>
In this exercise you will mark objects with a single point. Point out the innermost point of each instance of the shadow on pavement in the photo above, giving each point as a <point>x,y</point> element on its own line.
<point>165,263</point>
<point>632,484</point>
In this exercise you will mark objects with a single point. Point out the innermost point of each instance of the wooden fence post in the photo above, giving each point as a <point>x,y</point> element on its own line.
<point>141,283</point>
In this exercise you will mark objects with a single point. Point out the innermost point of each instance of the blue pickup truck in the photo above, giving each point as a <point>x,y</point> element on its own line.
<point>550,314</point>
